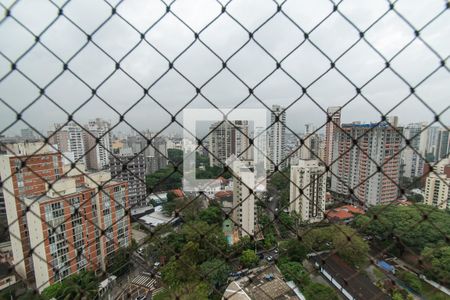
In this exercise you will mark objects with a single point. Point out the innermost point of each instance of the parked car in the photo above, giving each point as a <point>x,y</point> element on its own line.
<point>269,258</point>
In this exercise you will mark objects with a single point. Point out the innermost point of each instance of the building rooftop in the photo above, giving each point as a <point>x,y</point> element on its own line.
<point>266,283</point>
<point>222,194</point>
<point>367,125</point>
<point>354,282</point>
<point>156,218</point>
<point>344,212</point>
<point>178,193</point>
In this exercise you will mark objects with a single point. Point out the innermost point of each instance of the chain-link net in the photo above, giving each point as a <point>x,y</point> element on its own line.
<point>78,216</point>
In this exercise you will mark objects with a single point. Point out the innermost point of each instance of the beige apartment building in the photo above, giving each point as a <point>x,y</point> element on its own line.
<point>437,186</point>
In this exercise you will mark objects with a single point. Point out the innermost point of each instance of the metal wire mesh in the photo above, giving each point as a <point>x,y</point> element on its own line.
<point>38,62</point>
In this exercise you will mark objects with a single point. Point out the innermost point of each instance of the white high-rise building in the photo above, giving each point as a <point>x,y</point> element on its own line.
<point>413,154</point>
<point>244,212</point>
<point>69,138</point>
<point>308,190</point>
<point>277,138</point>
<point>97,152</point>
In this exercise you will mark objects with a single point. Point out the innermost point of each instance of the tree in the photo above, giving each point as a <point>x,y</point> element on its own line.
<point>216,272</point>
<point>397,296</point>
<point>249,258</point>
<point>183,269</point>
<point>175,156</point>
<point>437,262</point>
<point>411,280</point>
<point>286,223</point>
<point>164,179</point>
<point>244,243</point>
<point>293,250</point>
<point>211,215</point>
<point>317,291</point>
<point>82,285</point>
<point>350,246</point>
<point>384,222</point>
<point>295,271</point>
<point>190,291</point>
<point>318,239</point>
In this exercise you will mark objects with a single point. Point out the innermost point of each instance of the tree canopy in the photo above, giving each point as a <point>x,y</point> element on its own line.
<point>317,291</point>
<point>348,243</point>
<point>293,250</point>
<point>295,271</point>
<point>249,258</point>
<point>164,179</point>
<point>82,285</point>
<point>437,263</point>
<point>417,226</point>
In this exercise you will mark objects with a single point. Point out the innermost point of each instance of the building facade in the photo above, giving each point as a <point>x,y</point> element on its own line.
<point>414,153</point>
<point>227,138</point>
<point>443,144</point>
<point>69,224</point>
<point>133,174</point>
<point>277,138</point>
<point>357,171</point>
<point>437,186</point>
<point>244,212</point>
<point>308,190</point>
<point>154,149</point>
<point>69,138</point>
<point>28,134</point>
<point>333,122</point>
<point>98,143</point>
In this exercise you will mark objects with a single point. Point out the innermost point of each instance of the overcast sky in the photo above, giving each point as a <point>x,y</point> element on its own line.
<point>224,36</point>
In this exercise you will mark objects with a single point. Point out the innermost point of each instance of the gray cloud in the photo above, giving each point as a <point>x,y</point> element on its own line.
<point>170,36</point>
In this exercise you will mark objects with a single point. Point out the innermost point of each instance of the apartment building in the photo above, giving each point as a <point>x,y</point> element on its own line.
<point>227,138</point>
<point>98,143</point>
<point>28,134</point>
<point>60,225</point>
<point>154,149</point>
<point>333,122</point>
<point>361,152</point>
<point>308,190</point>
<point>277,138</point>
<point>413,155</point>
<point>69,138</point>
<point>443,144</point>
<point>437,186</point>
<point>309,147</point>
<point>244,212</point>
<point>131,169</point>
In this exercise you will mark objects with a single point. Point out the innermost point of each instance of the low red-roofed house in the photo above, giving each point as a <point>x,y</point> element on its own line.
<point>178,193</point>
<point>343,214</point>
<point>353,209</point>
<point>222,194</point>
